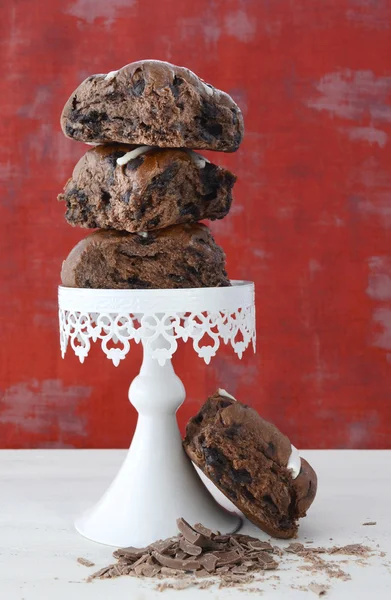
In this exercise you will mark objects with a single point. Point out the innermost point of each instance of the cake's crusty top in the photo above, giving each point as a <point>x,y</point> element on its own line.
<point>155,103</point>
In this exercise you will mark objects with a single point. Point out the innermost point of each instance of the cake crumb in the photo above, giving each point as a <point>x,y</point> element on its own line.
<point>370,523</point>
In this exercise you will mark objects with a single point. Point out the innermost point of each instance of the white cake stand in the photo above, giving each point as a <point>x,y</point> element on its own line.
<point>157,483</point>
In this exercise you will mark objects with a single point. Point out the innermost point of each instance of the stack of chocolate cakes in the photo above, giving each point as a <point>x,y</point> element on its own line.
<point>142,184</point>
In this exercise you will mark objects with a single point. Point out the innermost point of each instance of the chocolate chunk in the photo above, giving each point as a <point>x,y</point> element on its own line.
<point>134,164</point>
<point>320,590</point>
<point>233,431</point>
<point>152,223</point>
<point>208,561</point>
<point>208,533</point>
<point>105,197</point>
<point>191,564</point>
<point>212,545</point>
<point>227,558</point>
<point>266,561</point>
<point>189,548</point>
<point>176,563</point>
<point>190,534</point>
<point>215,459</point>
<point>150,570</point>
<point>241,476</point>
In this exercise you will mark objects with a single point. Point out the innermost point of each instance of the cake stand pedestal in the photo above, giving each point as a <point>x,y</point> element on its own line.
<point>157,483</point>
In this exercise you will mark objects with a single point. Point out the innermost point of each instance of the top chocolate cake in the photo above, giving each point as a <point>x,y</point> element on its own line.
<point>153,103</point>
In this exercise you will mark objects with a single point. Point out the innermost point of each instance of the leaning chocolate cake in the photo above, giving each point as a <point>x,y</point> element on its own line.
<point>252,463</point>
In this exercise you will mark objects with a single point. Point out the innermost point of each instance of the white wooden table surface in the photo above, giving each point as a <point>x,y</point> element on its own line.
<point>42,491</point>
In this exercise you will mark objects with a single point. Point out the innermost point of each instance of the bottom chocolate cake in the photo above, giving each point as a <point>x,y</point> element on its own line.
<point>181,256</point>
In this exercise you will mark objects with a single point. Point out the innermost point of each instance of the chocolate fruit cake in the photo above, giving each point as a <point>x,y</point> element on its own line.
<point>252,463</point>
<point>143,188</point>
<point>154,103</point>
<point>181,256</point>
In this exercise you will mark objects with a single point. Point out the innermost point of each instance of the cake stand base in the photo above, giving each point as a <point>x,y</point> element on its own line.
<point>157,483</point>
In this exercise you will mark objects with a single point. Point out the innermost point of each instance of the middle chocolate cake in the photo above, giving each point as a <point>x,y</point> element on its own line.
<point>128,188</point>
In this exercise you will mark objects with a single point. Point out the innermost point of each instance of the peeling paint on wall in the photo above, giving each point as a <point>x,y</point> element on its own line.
<point>35,406</point>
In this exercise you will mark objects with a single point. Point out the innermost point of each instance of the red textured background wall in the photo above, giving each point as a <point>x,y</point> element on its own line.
<point>310,223</point>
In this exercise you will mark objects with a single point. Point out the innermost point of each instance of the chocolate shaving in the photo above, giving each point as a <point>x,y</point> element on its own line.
<point>85,562</point>
<point>320,590</point>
